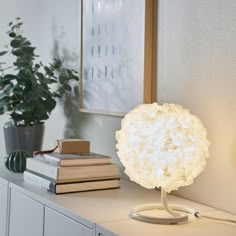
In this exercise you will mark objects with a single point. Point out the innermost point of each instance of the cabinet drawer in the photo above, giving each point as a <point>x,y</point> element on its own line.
<point>60,225</point>
<point>100,231</point>
<point>26,216</point>
<point>3,208</point>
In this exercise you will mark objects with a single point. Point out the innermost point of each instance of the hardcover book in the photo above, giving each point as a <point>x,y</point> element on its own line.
<point>76,173</point>
<point>49,184</point>
<point>72,146</point>
<point>63,160</point>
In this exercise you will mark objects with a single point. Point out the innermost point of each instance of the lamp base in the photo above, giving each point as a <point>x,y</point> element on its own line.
<point>136,213</point>
<point>174,216</point>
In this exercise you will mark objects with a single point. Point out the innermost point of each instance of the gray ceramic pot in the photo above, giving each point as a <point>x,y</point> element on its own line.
<point>26,138</point>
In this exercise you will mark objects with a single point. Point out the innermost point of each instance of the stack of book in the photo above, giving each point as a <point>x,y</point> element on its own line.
<point>72,170</point>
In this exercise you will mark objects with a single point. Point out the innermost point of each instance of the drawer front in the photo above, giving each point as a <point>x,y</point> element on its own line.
<point>100,231</point>
<point>26,215</point>
<point>60,225</point>
<point>3,208</point>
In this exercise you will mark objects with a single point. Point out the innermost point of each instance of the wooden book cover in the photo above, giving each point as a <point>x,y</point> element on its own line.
<point>52,186</point>
<point>79,173</point>
<point>64,160</point>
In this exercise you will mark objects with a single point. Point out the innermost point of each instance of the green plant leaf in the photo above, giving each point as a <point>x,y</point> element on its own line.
<point>3,95</point>
<point>50,104</point>
<point>10,76</point>
<point>2,110</point>
<point>18,25</point>
<point>5,82</point>
<point>12,34</point>
<point>48,71</point>
<point>57,95</point>
<point>57,64</point>
<point>25,106</point>
<point>75,77</point>
<point>15,43</point>
<point>3,53</point>
<point>4,101</point>
<point>17,52</point>
<point>26,43</point>
<point>67,87</point>
<point>62,79</point>
<point>28,49</point>
<point>53,80</point>
<point>7,87</point>
<point>36,66</point>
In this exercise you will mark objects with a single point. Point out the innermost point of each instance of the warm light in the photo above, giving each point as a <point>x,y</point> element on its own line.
<point>162,146</point>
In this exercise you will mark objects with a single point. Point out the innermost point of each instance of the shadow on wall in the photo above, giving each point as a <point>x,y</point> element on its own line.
<point>72,114</point>
<point>70,103</point>
<point>74,119</point>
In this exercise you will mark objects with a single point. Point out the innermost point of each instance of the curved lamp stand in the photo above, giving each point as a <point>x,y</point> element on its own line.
<point>175,217</point>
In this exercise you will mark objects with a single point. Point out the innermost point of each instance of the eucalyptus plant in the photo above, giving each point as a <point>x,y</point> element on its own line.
<point>29,89</point>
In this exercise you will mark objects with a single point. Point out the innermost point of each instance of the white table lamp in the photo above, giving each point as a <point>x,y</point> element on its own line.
<point>162,146</point>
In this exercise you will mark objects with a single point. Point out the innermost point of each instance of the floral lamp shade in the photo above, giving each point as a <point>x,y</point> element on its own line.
<point>162,146</point>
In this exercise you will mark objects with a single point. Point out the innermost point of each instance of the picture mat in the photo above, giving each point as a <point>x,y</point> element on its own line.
<point>113,56</point>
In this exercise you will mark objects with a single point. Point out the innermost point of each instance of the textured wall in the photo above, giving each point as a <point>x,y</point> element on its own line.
<point>197,68</point>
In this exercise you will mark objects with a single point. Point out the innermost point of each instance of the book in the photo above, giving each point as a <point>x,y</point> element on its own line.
<point>72,146</point>
<point>72,173</point>
<point>50,185</point>
<point>63,160</point>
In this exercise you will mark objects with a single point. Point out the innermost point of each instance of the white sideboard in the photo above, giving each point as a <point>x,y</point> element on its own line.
<point>28,210</point>
<point>3,206</point>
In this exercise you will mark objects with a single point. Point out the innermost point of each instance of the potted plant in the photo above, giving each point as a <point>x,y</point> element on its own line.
<point>29,91</point>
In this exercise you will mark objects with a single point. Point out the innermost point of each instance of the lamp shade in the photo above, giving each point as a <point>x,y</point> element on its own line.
<point>162,146</point>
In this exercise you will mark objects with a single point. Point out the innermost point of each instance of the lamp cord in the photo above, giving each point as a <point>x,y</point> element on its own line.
<point>196,214</point>
<point>201,215</point>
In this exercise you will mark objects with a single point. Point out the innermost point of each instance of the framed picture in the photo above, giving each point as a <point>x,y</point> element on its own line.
<point>118,55</point>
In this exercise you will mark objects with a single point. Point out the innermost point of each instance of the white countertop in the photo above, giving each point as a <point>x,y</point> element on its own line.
<point>109,209</point>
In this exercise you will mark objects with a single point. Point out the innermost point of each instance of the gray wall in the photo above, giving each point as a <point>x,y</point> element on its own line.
<point>197,59</point>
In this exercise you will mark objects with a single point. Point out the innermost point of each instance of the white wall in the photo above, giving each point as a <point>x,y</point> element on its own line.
<point>197,59</point>
<point>197,68</point>
<point>46,24</point>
